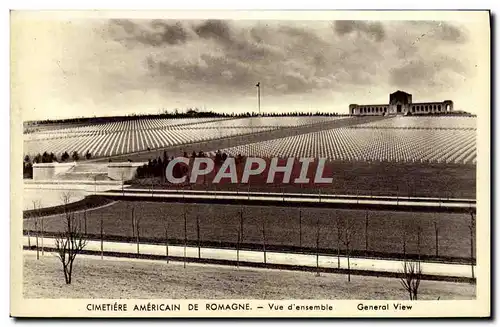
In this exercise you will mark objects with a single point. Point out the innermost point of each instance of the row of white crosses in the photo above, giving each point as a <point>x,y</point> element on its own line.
<point>395,145</point>
<point>180,123</point>
<point>129,141</point>
<point>262,122</point>
<point>368,144</point>
<point>456,122</point>
<point>138,135</point>
<point>119,126</point>
<point>136,124</point>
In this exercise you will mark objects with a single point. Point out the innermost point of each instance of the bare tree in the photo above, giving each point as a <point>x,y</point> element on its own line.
<point>411,276</point>
<point>85,220</point>
<point>339,239</point>
<point>366,231</point>
<point>166,237</point>
<point>300,227</point>
<point>238,247</point>
<point>412,270</point>
<point>472,227</point>
<point>405,235</point>
<point>349,232</point>
<point>133,222</point>
<point>137,232</point>
<point>409,187</point>
<point>36,238</point>
<point>71,241</point>
<point>317,247</point>
<point>185,234</point>
<point>36,218</point>
<point>240,237</point>
<point>102,240</point>
<point>436,234</point>
<point>29,238</point>
<point>419,236</point>
<point>264,239</point>
<point>241,223</point>
<point>198,235</point>
<point>218,232</point>
<point>42,235</point>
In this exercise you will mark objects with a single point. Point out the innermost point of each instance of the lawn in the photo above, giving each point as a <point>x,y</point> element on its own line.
<point>144,279</point>
<point>363,178</point>
<point>389,233</point>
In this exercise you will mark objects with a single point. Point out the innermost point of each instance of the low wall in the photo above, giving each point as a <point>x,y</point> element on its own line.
<point>45,171</point>
<point>123,171</point>
<point>118,171</point>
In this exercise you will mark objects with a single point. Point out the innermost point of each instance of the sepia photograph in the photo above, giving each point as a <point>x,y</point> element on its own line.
<point>250,164</point>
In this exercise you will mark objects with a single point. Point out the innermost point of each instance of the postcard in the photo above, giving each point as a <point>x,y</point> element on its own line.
<point>250,164</point>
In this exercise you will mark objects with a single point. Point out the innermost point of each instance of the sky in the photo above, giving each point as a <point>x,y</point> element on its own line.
<point>63,67</point>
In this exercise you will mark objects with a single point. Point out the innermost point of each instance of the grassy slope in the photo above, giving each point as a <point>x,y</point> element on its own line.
<point>378,178</point>
<point>95,278</point>
<point>220,223</point>
<point>216,144</point>
<point>370,178</point>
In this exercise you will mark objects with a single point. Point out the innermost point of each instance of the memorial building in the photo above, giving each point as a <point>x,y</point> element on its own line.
<point>400,103</point>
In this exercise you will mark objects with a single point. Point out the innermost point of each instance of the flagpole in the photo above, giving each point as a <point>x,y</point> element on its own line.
<point>259,99</point>
<point>258,95</point>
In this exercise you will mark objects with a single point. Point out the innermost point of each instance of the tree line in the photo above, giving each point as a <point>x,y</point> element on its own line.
<point>175,114</point>
<point>156,167</point>
<point>47,157</point>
